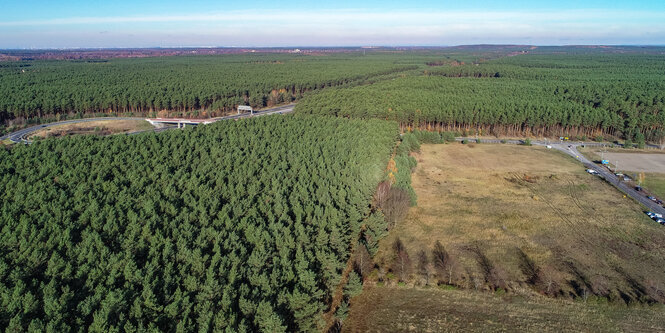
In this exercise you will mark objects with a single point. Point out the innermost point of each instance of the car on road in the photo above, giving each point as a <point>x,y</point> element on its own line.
<point>638,188</point>
<point>660,221</point>
<point>592,171</point>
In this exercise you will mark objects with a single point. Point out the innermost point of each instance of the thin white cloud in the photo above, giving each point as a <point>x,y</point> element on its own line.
<point>341,27</point>
<point>312,17</point>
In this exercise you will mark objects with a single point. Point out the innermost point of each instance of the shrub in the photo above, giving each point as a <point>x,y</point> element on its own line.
<point>409,144</point>
<point>639,139</point>
<point>527,142</point>
<point>354,286</point>
<point>448,136</point>
<point>599,138</point>
<point>447,287</point>
<point>428,137</point>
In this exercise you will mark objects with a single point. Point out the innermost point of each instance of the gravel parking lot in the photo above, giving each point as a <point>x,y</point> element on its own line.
<point>638,162</point>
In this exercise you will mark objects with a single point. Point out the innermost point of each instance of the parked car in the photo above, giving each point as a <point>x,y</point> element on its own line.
<point>638,188</point>
<point>661,221</point>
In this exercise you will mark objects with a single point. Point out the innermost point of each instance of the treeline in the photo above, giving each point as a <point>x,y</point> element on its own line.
<point>233,226</point>
<point>613,94</point>
<point>392,199</point>
<point>208,84</point>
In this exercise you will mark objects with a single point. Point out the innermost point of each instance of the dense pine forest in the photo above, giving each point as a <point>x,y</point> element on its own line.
<point>621,95</point>
<point>235,226</point>
<point>208,84</point>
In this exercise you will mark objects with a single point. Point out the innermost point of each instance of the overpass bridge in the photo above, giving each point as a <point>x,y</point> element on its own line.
<point>182,122</point>
<point>179,122</point>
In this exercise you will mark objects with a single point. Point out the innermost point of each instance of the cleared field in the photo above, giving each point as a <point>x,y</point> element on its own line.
<point>101,127</point>
<point>496,208</point>
<point>394,309</point>
<point>638,162</point>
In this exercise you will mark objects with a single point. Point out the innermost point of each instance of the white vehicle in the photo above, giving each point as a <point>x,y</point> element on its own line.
<point>548,147</point>
<point>592,171</point>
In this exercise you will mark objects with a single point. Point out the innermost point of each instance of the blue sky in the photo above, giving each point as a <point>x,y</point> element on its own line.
<point>166,23</point>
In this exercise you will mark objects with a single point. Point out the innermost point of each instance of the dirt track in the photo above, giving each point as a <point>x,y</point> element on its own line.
<point>638,162</point>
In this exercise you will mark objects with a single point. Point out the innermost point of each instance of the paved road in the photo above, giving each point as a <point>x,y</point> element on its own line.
<point>22,135</point>
<point>604,172</point>
<point>610,177</point>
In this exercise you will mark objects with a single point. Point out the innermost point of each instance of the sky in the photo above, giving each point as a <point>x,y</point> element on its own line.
<point>248,23</point>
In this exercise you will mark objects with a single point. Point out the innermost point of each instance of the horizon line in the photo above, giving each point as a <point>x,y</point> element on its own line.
<point>82,48</point>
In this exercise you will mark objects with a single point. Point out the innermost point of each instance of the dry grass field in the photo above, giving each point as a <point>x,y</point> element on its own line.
<point>101,127</point>
<point>497,207</point>
<point>403,309</point>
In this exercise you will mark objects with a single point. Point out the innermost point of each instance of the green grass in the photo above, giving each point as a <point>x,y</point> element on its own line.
<point>655,183</point>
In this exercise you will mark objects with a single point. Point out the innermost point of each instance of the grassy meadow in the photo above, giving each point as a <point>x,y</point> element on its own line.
<point>527,217</point>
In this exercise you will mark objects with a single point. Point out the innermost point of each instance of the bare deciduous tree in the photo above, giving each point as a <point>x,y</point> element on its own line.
<point>396,206</point>
<point>445,265</point>
<point>402,264</point>
<point>423,266</point>
<point>548,277</point>
<point>363,261</point>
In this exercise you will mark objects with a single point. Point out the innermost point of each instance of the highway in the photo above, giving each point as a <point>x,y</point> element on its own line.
<point>610,177</point>
<point>23,134</point>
